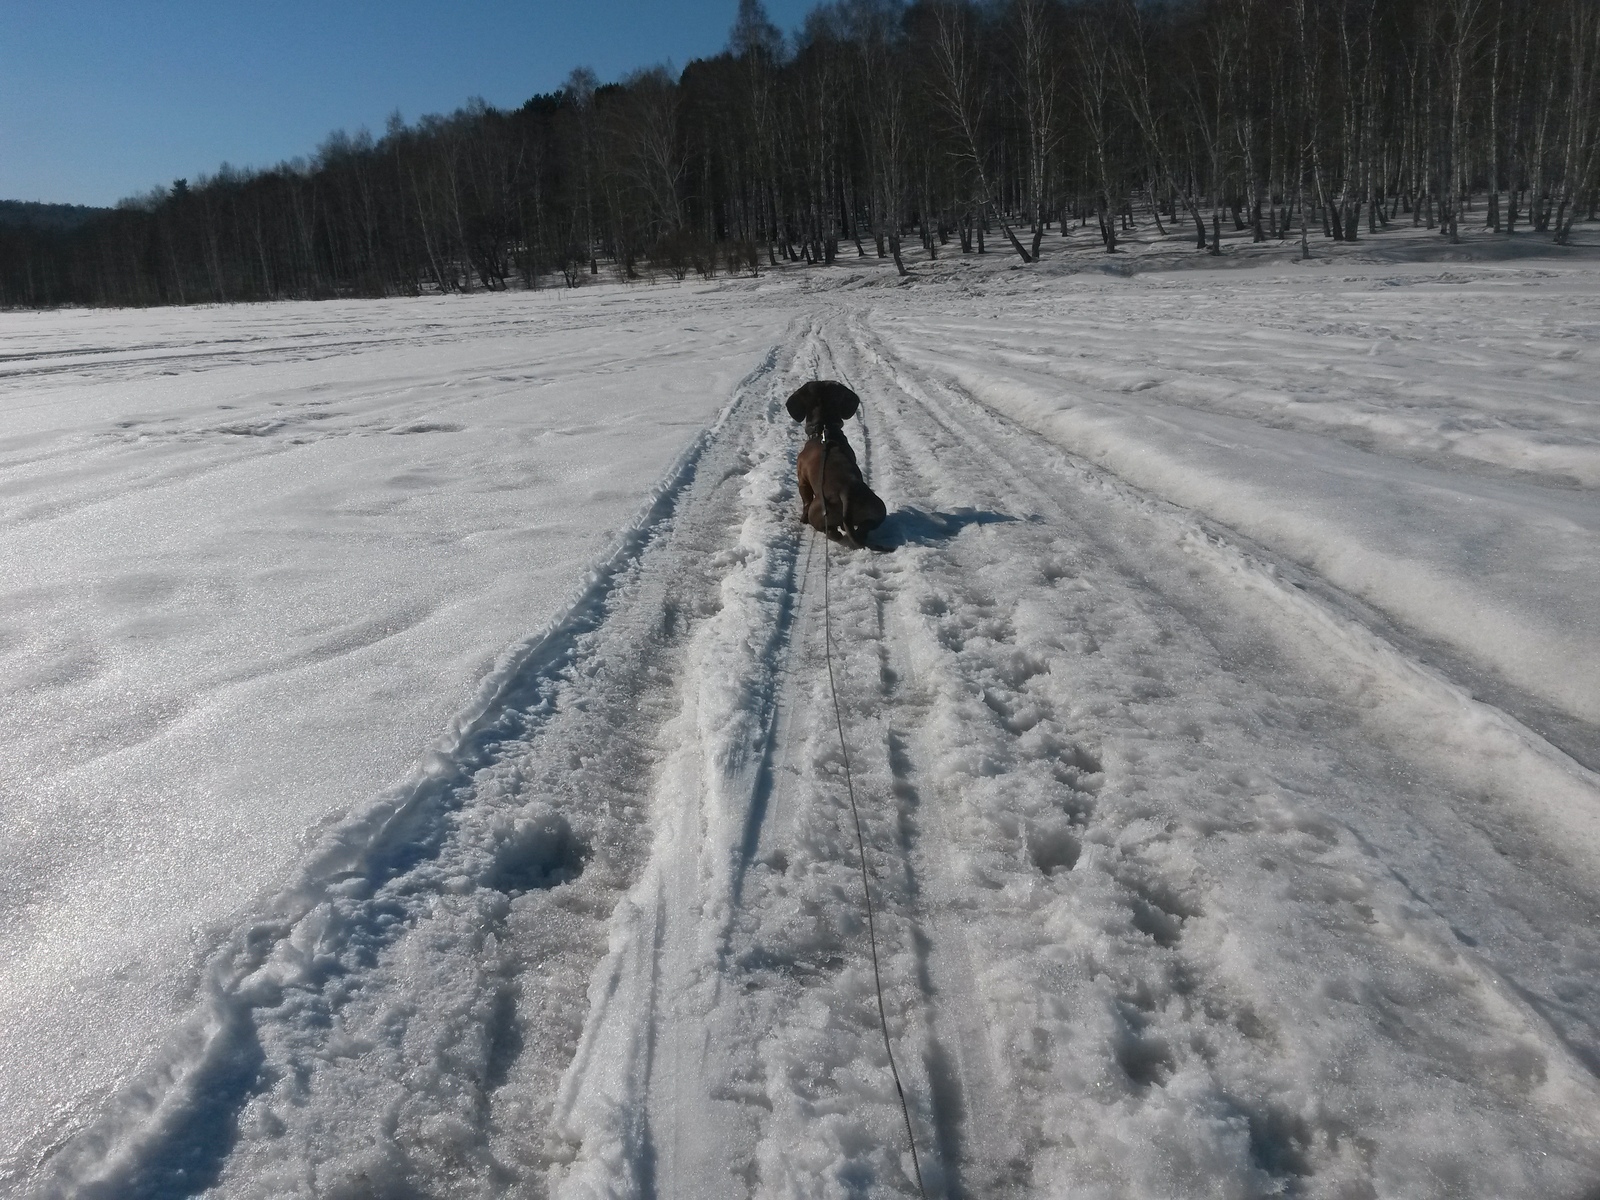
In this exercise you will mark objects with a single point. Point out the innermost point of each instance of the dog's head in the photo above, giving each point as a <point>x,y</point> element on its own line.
<point>822,402</point>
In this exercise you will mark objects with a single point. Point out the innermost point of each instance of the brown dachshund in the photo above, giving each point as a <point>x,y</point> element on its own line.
<point>833,496</point>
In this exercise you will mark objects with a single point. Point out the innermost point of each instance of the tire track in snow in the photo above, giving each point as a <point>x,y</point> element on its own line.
<point>1486,751</point>
<point>643,1107</point>
<point>370,1026</point>
<point>964,1108</point>
<point>1056,932</point>
<point>726,1094</point>
<point>968,444</point>
<point>768,1037</point>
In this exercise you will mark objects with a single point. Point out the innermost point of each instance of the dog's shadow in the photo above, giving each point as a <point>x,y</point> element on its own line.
<point>918,527</point>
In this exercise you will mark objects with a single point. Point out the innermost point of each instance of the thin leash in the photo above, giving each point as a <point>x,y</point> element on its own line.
<point>855,813</point>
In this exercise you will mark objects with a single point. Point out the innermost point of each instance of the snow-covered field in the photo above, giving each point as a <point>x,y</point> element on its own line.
<point>422,776</point>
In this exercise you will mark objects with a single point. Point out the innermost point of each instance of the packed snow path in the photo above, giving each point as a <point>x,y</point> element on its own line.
<point>1196,876</point>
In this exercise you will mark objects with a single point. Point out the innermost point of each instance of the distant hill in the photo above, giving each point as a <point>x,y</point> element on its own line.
<point>58,217</point>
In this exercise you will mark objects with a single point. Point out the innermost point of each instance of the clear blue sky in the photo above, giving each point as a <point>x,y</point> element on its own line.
<point>101,99</point>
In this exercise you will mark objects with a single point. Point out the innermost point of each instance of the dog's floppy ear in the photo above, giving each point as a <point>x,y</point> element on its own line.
<point>840,402</point>
<point>837,402</point>
<point>804,399</point>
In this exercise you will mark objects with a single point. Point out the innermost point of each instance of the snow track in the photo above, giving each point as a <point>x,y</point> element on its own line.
<point>1192,880</point>
<point>1206,1012</point>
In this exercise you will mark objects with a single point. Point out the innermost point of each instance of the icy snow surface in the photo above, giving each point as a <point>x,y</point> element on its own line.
<point>422,777</point>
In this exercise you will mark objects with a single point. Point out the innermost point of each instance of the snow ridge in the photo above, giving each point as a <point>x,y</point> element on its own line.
<point>169,1127</point>
<point>1172,873</point>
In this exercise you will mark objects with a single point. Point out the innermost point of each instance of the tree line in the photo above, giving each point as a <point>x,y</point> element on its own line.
<point>27,214</point>
<point>966,126</point>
